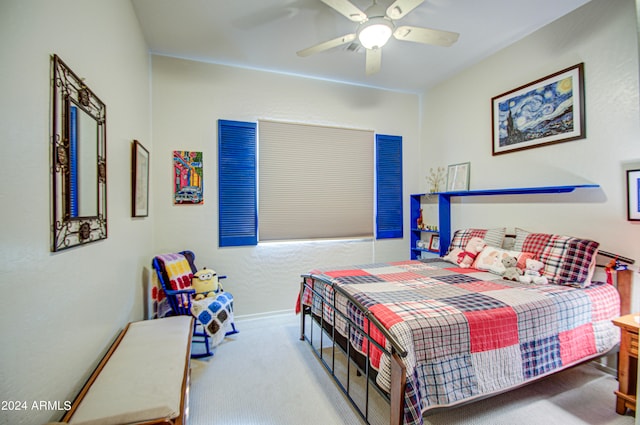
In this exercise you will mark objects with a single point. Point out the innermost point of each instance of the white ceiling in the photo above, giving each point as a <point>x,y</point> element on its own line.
<point>266,34</point>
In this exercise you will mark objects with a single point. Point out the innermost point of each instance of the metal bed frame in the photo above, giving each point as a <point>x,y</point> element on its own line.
<point>395,397</point>
<point>396,352</point>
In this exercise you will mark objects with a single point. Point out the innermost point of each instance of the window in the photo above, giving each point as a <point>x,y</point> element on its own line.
<point>314,182</point>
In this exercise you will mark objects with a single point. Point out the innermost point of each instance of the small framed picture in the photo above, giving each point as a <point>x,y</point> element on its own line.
<point>633,195</point>
<point>458,177</point>
<point>434,243</point>
<point>188,181</point>
<point>139,180</point>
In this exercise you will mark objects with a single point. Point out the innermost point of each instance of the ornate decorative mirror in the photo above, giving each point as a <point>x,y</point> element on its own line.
<point>79,161</point>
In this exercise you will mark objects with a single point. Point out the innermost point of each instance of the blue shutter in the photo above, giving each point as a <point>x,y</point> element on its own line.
<point>388,186</point>
<point>237,194</point>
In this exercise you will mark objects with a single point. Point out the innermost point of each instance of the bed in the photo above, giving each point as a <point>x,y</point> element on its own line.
<point>436,333</point>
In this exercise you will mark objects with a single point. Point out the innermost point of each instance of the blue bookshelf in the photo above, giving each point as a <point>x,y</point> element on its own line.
<point>416,233</point>
<point>444,208</point>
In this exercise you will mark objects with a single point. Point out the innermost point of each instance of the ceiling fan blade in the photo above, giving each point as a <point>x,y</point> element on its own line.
<point>373,61</point>
<point>399,8</point>
<point>426,35</point>
<point>346,8</point>
<point>326,45</point>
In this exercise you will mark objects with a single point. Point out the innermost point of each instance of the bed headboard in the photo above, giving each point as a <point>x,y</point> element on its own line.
<point>624,278</point>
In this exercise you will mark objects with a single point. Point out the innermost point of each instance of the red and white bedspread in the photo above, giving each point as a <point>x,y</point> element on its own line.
<point>469,333</point>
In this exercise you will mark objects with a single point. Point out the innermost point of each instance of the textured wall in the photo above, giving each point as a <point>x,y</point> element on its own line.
<point>188,99</point>
<point>603,35</point>
<point>59,312</point>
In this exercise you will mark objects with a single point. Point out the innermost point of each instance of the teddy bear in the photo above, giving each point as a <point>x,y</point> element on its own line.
<point>465,257</point>
<point>205,282</point>
<point>511,272</point>
<point>532,272</point>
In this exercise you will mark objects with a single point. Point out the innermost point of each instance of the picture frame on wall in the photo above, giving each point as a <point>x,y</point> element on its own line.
<point>188,183</point>
<point>547,111</point>
<point>139,180</point>
<point>633,195</point>
<point>458,177</point>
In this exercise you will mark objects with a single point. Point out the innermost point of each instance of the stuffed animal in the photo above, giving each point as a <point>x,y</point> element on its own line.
<point>465,257</point>
<point>532,273</point>
<point>511,272</point>
<point>205,282</point>
<point>471,251</point>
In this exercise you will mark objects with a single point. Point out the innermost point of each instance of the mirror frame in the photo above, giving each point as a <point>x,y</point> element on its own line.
<point>66,230</point>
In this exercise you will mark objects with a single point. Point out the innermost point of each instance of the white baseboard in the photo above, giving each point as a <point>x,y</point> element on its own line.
<point>257,316</point>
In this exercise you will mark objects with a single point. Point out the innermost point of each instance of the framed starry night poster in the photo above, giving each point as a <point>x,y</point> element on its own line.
<point>544,112</point>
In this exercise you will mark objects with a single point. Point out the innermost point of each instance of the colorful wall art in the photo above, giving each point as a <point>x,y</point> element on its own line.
<point>188,181</point>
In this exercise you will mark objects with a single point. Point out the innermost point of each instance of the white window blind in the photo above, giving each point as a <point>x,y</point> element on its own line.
<point>314,182</point>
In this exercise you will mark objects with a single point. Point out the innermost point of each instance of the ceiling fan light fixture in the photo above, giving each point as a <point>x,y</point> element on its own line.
<point>375,32</point>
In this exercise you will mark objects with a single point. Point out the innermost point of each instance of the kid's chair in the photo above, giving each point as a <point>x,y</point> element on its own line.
<point>173,296</point>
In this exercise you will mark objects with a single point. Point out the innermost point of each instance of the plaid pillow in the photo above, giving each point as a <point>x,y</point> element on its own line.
<point>567,260</point>
<point>492,237</point>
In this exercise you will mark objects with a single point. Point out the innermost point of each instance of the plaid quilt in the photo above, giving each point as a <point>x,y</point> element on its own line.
<point>468,333</point>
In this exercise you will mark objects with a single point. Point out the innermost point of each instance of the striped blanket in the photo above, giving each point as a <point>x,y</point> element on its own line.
<point>468,333</point>
<point>179,272</point>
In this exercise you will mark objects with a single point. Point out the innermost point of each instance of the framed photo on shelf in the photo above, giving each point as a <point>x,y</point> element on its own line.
<point>458,177</point>
<point>139,180</point>
<point>633,195</point>
<point>544,112</point>
<point>434,243</point>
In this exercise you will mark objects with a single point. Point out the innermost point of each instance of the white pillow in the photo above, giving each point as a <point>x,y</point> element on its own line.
<point>490,259</point>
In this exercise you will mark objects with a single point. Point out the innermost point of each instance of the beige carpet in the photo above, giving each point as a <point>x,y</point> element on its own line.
<point>265,375</point>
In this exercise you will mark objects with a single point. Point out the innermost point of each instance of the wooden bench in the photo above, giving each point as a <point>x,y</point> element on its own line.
<point>143,378</point>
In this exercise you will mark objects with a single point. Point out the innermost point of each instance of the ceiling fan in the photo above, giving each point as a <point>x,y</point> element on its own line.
<point>376,26</point>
